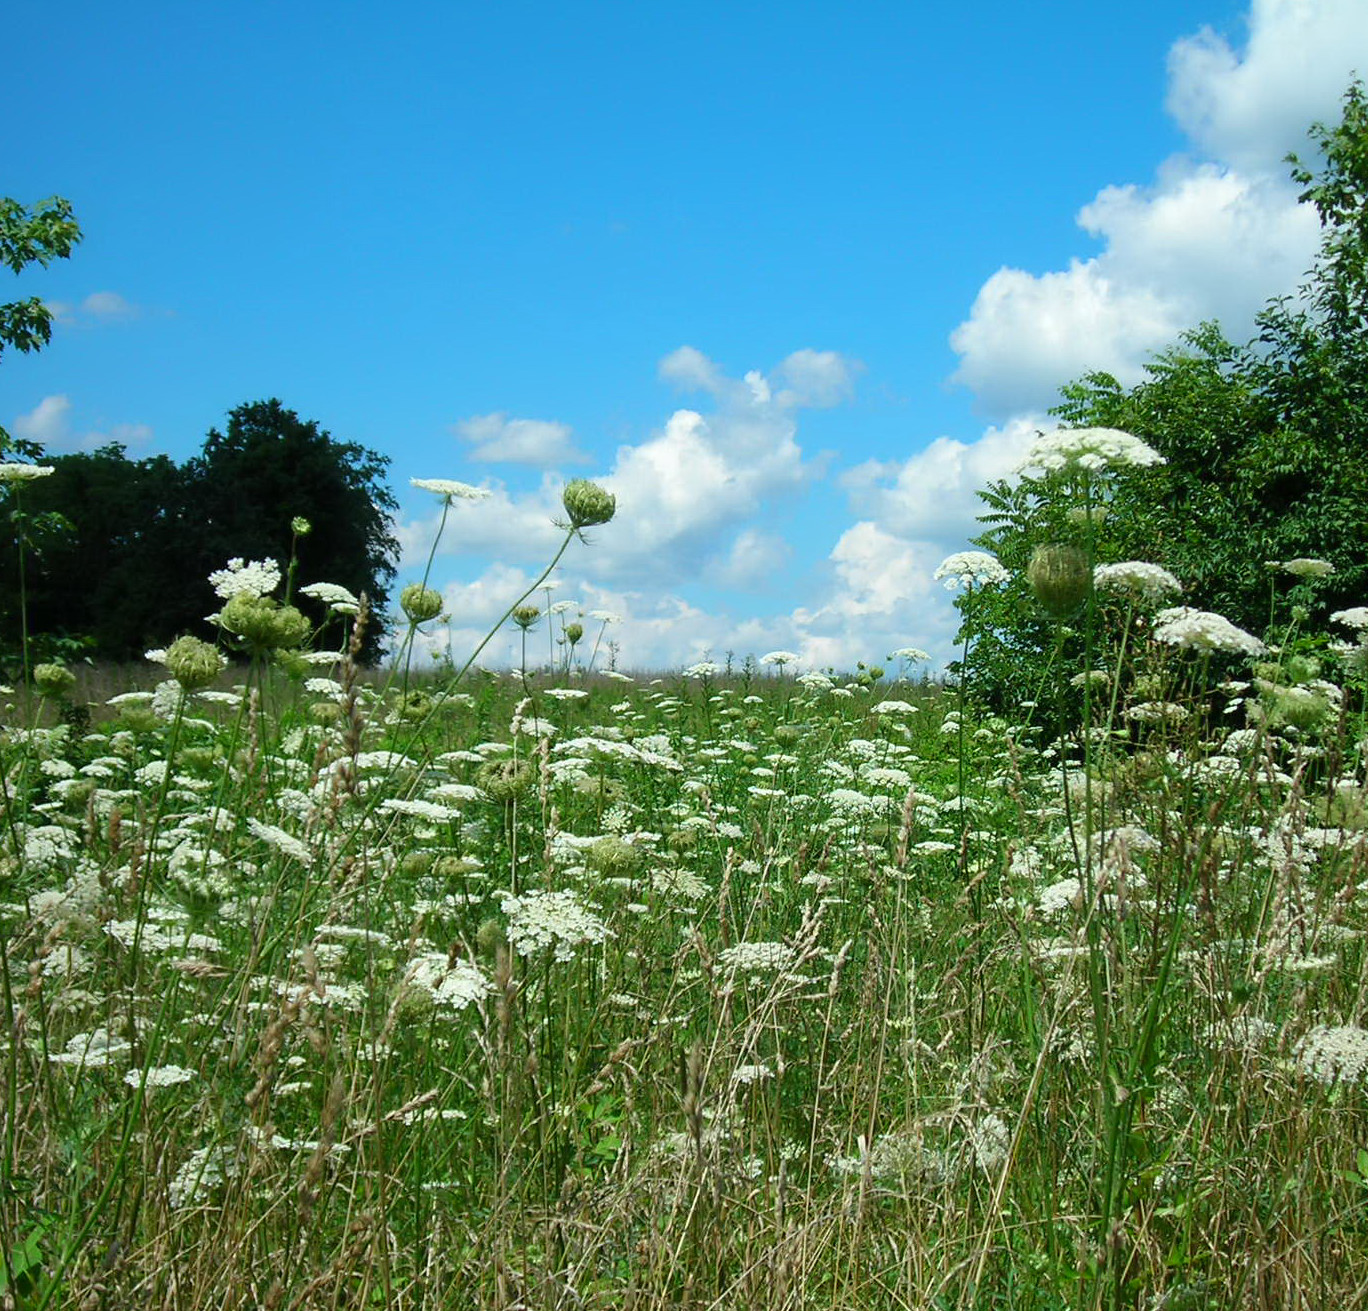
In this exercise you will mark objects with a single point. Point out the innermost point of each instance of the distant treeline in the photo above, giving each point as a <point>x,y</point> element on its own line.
<point>116,552</point>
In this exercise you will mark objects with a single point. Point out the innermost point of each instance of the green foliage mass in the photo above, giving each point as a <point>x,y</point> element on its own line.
<point>1264,444</point>
<point>120,550</point>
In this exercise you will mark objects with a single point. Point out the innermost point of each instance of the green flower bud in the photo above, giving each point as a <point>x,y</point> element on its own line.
<point>415,863</point>
<point>503,780</point>
<point>291,627</point>
<point>420,603</point>
<point>454,867</point>
<point>490,936</point>
<point>613,858</point>
<point>587,503</point>
<point>53,680</point>
<point>300,526</point>
<point>251,618</point>
<point>194,664</point>
<point>525,616</point>
<point>573,633</point>
<point>682,840</point>
<point>1059,576</point>
<point>325,712</point>
<point>262,623</point>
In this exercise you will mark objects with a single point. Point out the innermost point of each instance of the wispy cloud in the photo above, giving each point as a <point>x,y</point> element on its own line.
<point>50,423</point>
<point>497,439</point>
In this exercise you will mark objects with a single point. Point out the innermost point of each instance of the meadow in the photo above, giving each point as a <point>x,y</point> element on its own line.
<point>743,986</point>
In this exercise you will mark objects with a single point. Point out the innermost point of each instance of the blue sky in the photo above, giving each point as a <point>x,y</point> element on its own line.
<point>519,243</point>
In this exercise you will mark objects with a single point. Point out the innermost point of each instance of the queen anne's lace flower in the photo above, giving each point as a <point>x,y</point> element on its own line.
<point>452,984</point>
<point>1334,1053</point>
<point>970,569</point>
<point>1088,448</point>
<point>246,578</point>
<point>1202,630</point>
<point>1305,567</point>
<point>757,957</point>
<point>558,920</point>
<point>336,597</point>
<point>23,473</point>
<point>1136,578</point>
<point>449,489</point>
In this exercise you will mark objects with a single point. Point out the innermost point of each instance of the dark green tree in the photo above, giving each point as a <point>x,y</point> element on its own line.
<point>113,578</point>
<point>268,466</point>
<point>126,563</point>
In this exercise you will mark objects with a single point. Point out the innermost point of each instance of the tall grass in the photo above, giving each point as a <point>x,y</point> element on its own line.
<point>554,991</point>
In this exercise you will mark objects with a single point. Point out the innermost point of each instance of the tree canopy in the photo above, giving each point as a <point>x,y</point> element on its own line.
<point>1264,443</point>
<point>131,570</point>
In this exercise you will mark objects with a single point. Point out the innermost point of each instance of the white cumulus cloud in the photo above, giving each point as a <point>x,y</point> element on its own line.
<point>495,438</point>
<point>1212,237</point>
<point>50,423</point>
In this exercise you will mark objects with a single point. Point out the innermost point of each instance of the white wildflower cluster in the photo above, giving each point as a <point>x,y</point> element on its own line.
<point>904,1157</point>
<point>1157,712</point>
<point>416,808</point>
<point>93,1050</point>
<point>703,669</point>
<point>12,472</point>
<point>757,957</point>
<point>283,842</point>
<point>908,653</point>
<point>336,597</point>
<point>160,1076</point>
<point>970,569</point>
<point>780,658</point>
<point>1137,580</point>
<point>245,578</point>
<point>1334,1053</point>
<point>204,1170</point>
<point>449,489</point>
<point>1355,617</point>
<point>1204,631</point>
<point>558,920</point>
<point>453,985</point>
<point>1305,567</point>
<point>1092,449</point>
<point>990,1139</point>
<point>898,708</point>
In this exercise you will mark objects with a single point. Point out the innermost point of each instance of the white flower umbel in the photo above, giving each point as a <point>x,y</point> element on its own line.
<point>336,597</point>
<point>1091,449</point>
<point>1203,630</point>
<point>1305,567</point>
<point>1136,579</point>
<point>451,984</point>
<point>558,920</point>
<point>245,577</point>
<point>283,842</point>
<point>449,489</point>
<point>757,957</point>
<point>970,569</point>
<point>1334,1053</point>
<point>23,473</point>
<point>1357,617</point>
<point>160,1076</point>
